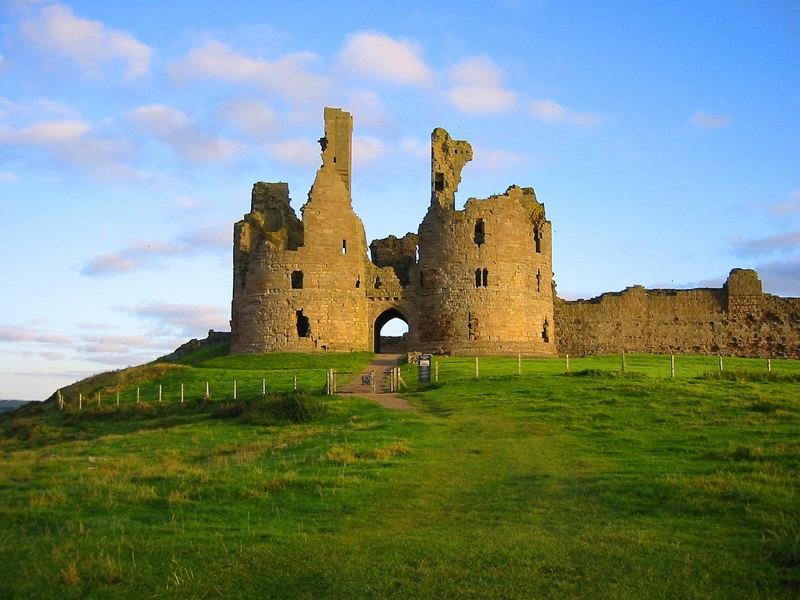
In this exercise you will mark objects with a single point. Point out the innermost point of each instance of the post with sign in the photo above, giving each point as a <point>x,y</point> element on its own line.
<point>424,368</point>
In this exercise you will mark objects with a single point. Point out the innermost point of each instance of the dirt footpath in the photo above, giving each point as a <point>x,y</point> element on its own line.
<point>382,365</point>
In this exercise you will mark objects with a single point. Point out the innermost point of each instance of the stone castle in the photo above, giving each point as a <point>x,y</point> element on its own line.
<point>471,281</point>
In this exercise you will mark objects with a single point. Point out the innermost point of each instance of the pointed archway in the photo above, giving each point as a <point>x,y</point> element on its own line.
<point>383,319</point>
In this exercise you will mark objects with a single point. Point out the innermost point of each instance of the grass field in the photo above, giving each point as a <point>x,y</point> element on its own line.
<point>590,484</point>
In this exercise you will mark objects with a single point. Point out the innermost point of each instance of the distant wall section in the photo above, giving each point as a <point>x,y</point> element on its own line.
<point>737,319</point>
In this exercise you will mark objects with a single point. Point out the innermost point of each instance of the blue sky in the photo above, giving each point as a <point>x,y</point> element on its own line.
<point>662,138</point>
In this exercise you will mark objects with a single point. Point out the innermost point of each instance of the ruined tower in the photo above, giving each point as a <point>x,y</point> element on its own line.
<point>297,285</point>
<point>485,279</point>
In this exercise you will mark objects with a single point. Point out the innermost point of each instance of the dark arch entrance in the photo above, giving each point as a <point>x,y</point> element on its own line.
<point>383,319</point>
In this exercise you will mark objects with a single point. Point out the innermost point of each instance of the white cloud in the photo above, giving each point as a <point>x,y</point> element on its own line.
<point>496,159</point>
<point>8,177</point>
<point>46,133</point>
<point>790,207</point>
<point>374,55</point>
<point>478,88</point>
<point>4,66</point>
<point>366,150</point>
<point>288,77</point>
<point>367,108</point>
<point>550,111</point>
<point>88,43</point>
<point>172,127</point>
<point>188,319</point>
<point>299,152</point>
<point>255,118</point>
<point>148,254</point>
<point>709,121</point>
<point>415,148</point>
<point>11,333</point>
<point>782,243</point>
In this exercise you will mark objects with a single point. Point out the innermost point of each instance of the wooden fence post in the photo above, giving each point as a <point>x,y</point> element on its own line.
<point>567,363</point>
<point>181,392</point>
<point>137,395</point>
<point>263,386</point>
<point>234,389</point>
<point>98,399</point>
<point>720,363</point>
<point>80,401</point>
<point>159,392</point>
<point>436,371</point>
<point>295,382</point>
<point>60,400</point>
<point>672,366</point>
<point>208,391</point>
<point>477,369</point>
<point>117,397</point>
<point>519,363</point>
<point>623,361</point>
<point>769,365</point>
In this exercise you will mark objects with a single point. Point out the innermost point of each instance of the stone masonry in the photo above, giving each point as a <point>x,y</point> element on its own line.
<point>471,281</point>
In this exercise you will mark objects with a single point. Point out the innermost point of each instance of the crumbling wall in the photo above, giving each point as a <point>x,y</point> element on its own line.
<point>398,253</point>
<point>737,319</point>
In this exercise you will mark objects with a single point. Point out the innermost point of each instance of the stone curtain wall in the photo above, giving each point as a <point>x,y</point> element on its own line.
<point>737,319</point>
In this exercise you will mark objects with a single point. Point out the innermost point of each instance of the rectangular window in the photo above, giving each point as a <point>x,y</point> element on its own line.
<point>297,280</point>
<point>438,182</point>
<point>344,246</point>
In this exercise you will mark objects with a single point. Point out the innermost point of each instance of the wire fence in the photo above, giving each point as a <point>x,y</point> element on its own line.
<point>246,385</point>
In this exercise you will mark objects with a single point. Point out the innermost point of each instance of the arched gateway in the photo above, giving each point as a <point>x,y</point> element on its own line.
<point>383,318</point>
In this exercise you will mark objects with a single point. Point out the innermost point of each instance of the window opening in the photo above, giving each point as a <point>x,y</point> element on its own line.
<point>537,238</point>
<point>378,283</point>
<point>297,280</point>
<point>485,277</point>
<point>538,280</point>
<point>480,233</point>
<point>358,281</point>
<point>344,246</point>
<point>470,326</point>
<point>438,182</point>
<point>477,278</point>
<point>303,324</point>
<point>545,332</point>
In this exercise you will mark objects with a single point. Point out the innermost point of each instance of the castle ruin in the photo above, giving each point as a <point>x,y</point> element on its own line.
<point>471,281</point>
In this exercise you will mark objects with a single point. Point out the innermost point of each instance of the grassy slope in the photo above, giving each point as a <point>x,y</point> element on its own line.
<point>590,485</point>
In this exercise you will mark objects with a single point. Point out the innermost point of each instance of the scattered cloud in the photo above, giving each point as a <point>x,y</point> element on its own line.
<point>790,207</point>
<point>255,118</point>
<point>90,44</point>
<point>298,152</point>
<point>415,148</point>
<point>187,319</point>
<point>782,243</point>
<point>549,111</point>
<point>148,254</point>
<point>46,133</point>
<point>116,344</point>
<point>706,120</point>
<point>174,128</point>
<point>368,108</point>
<point>8,177</point>
<point>478,87</point>
<point>11,333</point>
<point>288,77</point>
<point>377,56</point>
<point>496,159</point>
<point>366,150</point>
<point>781,277</point>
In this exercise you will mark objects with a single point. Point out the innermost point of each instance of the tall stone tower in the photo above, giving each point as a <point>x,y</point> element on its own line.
<point>485,273</point>
<point>298,285</point>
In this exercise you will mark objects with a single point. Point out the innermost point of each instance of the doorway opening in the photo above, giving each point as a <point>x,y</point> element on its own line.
<point>391,332</point>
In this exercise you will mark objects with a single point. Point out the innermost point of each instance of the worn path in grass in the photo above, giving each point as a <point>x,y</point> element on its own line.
<point>381,365</point>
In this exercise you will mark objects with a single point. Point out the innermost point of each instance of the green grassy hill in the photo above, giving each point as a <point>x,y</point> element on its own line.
<point>592,483</point>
